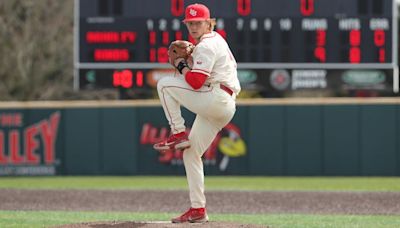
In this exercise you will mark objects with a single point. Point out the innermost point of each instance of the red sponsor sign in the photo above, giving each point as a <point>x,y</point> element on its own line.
<point>32,145</point>
<point>228,142</point>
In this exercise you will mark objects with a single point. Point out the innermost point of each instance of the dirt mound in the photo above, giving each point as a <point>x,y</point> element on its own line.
<point>158,224</point>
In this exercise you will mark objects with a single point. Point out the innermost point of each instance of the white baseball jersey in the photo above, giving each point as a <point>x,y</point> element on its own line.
<point>212,57</point>
<point>214,107</point>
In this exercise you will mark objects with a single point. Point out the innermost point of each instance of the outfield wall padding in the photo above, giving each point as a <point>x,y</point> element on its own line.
<point>322,137</point>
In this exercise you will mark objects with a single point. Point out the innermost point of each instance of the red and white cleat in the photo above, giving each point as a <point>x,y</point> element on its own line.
<point>178,141</point>
<point>194,215</point>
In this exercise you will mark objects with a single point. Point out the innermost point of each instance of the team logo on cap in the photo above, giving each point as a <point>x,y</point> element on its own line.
<point>193,12</point>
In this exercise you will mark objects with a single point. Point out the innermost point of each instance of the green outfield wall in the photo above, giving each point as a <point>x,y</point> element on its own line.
<point>294,137</point>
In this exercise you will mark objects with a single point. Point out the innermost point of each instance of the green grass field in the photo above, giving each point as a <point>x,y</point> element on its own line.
<point>51,218</point>
<point>212,183</point>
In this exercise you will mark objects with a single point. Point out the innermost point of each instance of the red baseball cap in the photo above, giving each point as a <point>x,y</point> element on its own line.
<point>196,12</point>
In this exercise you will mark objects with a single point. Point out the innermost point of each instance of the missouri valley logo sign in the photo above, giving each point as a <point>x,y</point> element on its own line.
<point>28,149</point>
<point>227,144</point>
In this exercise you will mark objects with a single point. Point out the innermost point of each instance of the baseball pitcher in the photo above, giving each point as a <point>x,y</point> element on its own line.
<point>207,86</point>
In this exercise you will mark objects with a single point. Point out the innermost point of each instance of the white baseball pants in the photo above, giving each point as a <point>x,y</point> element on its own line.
<point>214,108</point>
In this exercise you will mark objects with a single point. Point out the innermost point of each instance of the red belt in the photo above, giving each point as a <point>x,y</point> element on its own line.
<point>229,91</point>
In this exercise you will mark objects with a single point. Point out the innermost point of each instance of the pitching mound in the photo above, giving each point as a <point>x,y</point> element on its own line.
<point>158,224</point>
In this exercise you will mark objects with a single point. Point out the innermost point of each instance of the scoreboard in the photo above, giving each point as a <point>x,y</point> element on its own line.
<point>124,43</point>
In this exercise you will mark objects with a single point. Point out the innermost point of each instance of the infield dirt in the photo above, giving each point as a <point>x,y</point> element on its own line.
<point>243,202</point>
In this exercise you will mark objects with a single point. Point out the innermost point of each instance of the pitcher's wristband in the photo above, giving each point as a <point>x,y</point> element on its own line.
<point>182,64</point>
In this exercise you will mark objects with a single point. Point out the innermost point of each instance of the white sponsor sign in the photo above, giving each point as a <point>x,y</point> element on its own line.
<point>309,79</point>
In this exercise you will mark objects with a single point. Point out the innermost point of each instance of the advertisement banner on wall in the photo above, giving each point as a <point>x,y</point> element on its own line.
<point>318,82</point>
<point>226,154</point>
<point>28,142</point>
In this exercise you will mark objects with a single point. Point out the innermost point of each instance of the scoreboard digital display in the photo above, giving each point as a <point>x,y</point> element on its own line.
<point>122,36</point>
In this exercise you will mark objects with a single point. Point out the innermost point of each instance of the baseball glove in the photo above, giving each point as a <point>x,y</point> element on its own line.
<point>179,49</point>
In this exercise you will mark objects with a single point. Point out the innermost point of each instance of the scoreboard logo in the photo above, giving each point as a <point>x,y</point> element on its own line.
<point>280,79</point>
